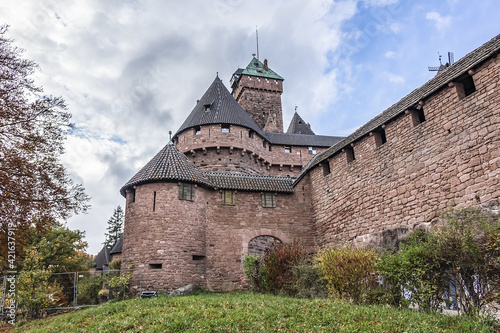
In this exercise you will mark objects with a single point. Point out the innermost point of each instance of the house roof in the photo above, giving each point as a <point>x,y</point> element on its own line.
<point>250,182</point>
<point>102,259</point>
<point>118,246</point>
<point>168,164</point>
<point>256,68</point>
<point>218,106</point>
<point>469,61</point>
<point>302,139</point>
<point>299,126</point>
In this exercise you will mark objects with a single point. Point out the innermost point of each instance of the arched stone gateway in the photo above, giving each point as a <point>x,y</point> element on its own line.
<point>260,244</point>
<point>252,238</point>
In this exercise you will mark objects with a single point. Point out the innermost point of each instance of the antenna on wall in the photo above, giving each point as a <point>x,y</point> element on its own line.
<point>257,36</point>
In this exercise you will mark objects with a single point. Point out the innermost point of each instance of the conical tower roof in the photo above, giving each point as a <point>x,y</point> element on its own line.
<point>168,164</point>
<point>299,126</point>
<point>218,106</point>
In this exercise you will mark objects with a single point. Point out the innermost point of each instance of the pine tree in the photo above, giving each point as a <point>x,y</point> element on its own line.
<point>115,225</point>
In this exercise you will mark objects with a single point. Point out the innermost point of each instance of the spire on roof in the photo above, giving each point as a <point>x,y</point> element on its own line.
<point>299,126</point>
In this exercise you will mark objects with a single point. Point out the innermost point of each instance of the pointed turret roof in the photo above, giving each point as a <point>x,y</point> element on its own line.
<point>168,164</point>
<point>299,126</point>
<point>102,259</point>
<point>118,246</point>
<point>218,106</point>
<point>257,68</point>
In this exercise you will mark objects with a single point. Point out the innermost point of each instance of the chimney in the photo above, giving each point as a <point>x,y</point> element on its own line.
<point>265,65</point>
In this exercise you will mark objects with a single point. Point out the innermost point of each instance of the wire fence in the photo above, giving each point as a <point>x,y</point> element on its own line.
<point>80,289</point>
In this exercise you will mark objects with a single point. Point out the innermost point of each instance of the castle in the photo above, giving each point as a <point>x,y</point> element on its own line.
<point>232,182</point>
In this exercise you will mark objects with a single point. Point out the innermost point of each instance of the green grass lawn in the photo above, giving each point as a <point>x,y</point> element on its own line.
<point>247,312</point>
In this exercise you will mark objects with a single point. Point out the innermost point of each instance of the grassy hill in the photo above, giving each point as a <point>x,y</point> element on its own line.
<point>247,312</point>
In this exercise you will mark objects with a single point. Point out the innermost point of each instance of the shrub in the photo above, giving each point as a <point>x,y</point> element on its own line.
<point>349,271</point>
<point>34,290</point>
<point>254,272</point>
<point>467,244</point>
<point>309,281</point>
<point>88,289</point>
<point>413,275</point>
<point>278,266</point>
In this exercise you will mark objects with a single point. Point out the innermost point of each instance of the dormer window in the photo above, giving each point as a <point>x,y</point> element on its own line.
<point>224,128</point>
<point>207,107</point>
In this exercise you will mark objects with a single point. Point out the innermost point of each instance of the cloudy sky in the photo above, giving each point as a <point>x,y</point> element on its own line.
<point>131,71</point>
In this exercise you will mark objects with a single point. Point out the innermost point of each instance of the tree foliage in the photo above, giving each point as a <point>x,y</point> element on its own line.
<point>34,289</point>
<point>62,249</point>
<point>115,228</point>
<point>34,186</point>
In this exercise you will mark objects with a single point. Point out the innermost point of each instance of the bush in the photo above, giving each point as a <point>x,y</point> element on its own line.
<point>278,266</point>
<point>88,289</point>
<point>254,272</point>
<point>460,255</point>
<point>349,271</point>
<point>415,271</point>
<point>469,248</point>
<point>309,281</point>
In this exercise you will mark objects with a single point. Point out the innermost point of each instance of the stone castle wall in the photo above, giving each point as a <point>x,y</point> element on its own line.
<point>210,150</point>
<point>170,235</point>
<point>261,98</point>
<point>452,158</point>
<point>204,242</point>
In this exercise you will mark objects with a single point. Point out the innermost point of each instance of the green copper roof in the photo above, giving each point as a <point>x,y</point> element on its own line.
<point>256,68</point>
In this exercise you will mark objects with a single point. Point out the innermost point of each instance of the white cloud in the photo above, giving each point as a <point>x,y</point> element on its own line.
<point>394,78</point>
<point>441,22</point>
<point>390,54</point>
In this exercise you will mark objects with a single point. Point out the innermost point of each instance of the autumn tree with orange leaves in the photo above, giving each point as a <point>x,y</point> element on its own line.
<point>35,190</point>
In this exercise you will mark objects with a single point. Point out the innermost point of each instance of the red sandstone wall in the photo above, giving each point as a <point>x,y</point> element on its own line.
<point>261,98</point>
<point>170,235</point>
<point>178,229</point>
<point>248,156</point>
<point>230,228</point>
<point>453,158</point>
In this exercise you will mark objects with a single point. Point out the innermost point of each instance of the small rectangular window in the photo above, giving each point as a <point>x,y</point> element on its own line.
<point>312,150</point>
<point>349,153</point>
<point>197,130</point>
<point>154,201</point>
<point>268,200</point>
<point>186,191</point>
<point>465,85</point>
<point>250,134</point>
<point>155,266</point>
<point>132,195</point>
<point>417,116</point>
<point>228,197</point>
<point>225,128</point>
<point>380,137</point>
<point>288,149</point>
<point>326,168</point>
<point>198,257</point>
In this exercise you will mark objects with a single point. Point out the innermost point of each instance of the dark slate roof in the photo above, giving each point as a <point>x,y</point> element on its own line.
<point>256,68</point>
<point>474,58</point>
<point>168,164</point>
<point>223,110</point>
<point>302,139</point>
<point>299,126</point>
<point>250,183</point>
<point>102,259</point>
<point>118,246</point>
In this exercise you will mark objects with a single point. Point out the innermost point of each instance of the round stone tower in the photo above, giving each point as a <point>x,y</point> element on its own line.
<point>164,229</point>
